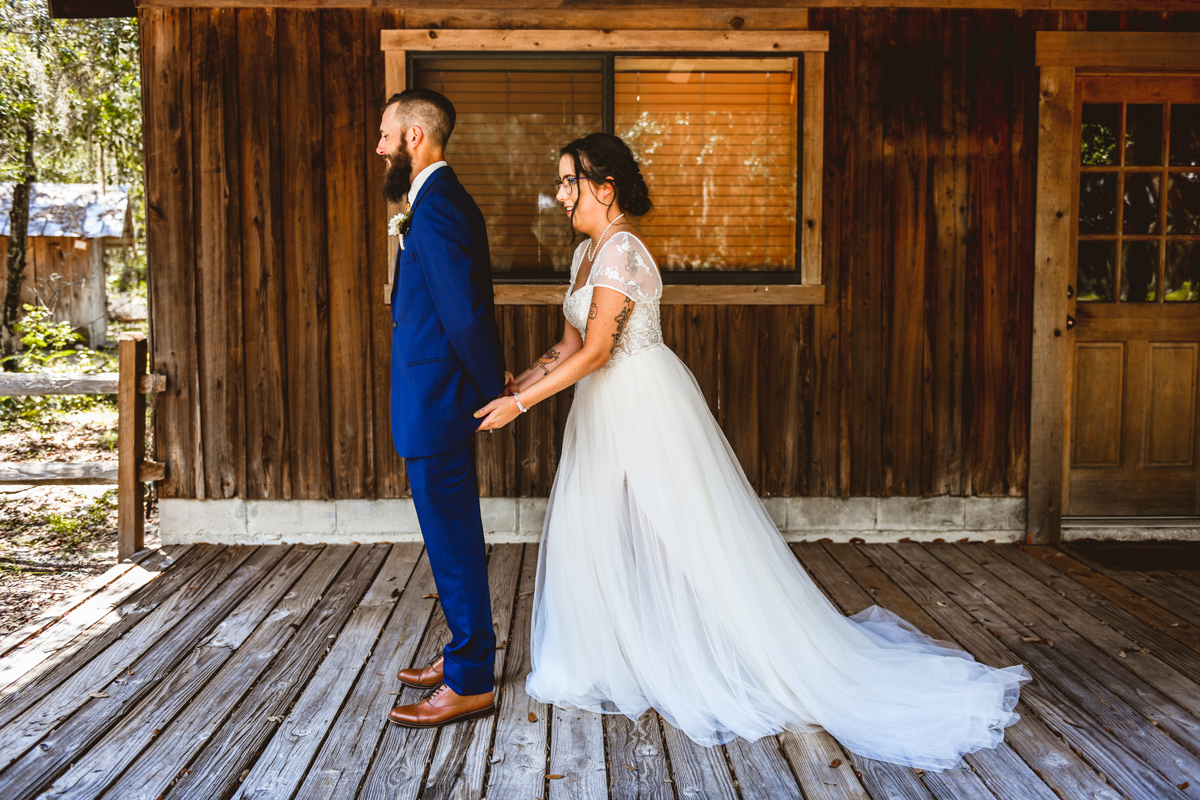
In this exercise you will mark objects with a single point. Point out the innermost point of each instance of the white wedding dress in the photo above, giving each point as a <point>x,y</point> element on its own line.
<point>662,582</point>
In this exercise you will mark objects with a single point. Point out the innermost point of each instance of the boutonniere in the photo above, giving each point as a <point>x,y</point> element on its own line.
<point>399,225</point>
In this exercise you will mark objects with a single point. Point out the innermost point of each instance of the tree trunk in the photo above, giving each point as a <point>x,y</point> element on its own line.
<point>18,224</point>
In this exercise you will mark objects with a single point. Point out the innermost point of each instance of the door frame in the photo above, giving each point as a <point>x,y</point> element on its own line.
<point>1060,56</point>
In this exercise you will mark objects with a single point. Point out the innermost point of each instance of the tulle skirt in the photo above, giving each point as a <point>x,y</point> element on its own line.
<point>663,583</point>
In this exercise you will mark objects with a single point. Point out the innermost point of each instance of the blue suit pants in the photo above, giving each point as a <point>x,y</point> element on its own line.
<point>446,494</point>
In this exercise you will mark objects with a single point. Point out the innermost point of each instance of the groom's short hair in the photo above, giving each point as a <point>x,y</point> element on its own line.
<point>430,110</point>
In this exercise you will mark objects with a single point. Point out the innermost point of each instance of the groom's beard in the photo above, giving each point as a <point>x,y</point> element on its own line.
<point>398,179</point>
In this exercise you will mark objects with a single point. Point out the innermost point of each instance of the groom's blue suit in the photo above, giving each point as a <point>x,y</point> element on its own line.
<point>447,362</point>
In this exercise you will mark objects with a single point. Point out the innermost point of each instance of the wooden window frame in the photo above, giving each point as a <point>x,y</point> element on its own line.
<point>1061,55</point>
<point>809,46</point>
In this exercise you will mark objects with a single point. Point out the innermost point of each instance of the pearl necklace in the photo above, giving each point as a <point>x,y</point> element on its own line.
<point>601,239</point>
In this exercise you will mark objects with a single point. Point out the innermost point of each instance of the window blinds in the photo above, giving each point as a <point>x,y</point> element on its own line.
<point>513,116</point>
<point>716,139</point>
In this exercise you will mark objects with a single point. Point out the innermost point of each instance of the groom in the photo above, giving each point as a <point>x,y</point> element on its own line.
<point>446,363</point>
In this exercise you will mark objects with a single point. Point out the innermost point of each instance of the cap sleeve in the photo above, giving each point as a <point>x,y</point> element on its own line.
<point>625,265</point>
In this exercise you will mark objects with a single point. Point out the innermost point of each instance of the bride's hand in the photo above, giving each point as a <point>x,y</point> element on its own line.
<point>510,384</point>
<point>498,413</point>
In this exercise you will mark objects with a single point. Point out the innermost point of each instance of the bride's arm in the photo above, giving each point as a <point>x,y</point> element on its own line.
<point>552,358</point>
<point>606,322</point>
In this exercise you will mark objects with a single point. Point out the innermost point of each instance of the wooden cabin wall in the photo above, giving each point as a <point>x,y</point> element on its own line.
<point>65,279</point>
<point>267,235</point>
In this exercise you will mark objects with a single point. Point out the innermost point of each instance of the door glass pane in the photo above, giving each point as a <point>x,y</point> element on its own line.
<point>1183,271</point>
<point>716,140</point>
<point>1185,134</point>
<point>1139,271</point>
<point>1143,135</point>
<point>1183,203</point>
<point>1098,202</point>
<point>1141,202</point>
<point>512,117</point>
<point>1095,275</point>
<point>1098,142</point>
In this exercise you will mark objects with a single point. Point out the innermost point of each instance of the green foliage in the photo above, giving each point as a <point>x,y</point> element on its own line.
<point>1097,145</point>
<point>50,347</point>
<point>78,84</point>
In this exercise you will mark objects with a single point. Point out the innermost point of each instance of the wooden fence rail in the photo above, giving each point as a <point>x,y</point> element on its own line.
<point>131,385</point>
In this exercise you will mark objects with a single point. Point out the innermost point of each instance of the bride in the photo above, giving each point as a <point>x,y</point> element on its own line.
<point>662,582</point>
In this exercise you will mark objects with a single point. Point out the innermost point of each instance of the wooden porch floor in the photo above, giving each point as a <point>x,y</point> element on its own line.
<point>209,672</point>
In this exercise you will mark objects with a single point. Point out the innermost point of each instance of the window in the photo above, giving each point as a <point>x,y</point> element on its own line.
<point>717,137</point>
<point>1137,243</point>
<point>513,116</point>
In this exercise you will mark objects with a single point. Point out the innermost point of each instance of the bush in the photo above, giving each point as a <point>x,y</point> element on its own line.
<point>51,347</point>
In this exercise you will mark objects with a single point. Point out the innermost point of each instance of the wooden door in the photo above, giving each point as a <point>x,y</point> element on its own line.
<point>1134,373</point>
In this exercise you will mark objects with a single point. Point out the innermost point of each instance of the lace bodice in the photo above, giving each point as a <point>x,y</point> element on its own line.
<point>625,265</point>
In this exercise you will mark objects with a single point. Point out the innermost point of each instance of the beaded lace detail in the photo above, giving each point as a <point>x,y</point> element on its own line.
<point>625,265</point>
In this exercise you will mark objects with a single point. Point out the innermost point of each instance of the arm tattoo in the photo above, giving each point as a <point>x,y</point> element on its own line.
<point>551,356</point>
<point>622,318</point>
<point>593,311</point>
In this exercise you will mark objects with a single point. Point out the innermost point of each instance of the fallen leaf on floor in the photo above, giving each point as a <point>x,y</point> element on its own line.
<point>1183,785</point>
<point>943,605</point>
<point>554,777</point>
<point>97,694</point>
<point>274,719</point>
<point>630,766</point>
<point>919,771</point>
<point>837,762</point>
<point>430,596</point>
<point>532,717</point>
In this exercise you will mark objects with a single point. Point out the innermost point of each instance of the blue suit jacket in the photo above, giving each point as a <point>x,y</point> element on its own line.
<point>447,361</point>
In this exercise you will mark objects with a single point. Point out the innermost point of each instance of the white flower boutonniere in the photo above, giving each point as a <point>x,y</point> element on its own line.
<point>399,225</point>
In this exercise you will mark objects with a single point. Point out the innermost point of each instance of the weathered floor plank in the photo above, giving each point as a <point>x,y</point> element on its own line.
<point>398,766</point>
<point>71,619</point>
<point>821,766</point>
<point>637,758</point>
<point>1110,695</point>
<point>283,765</point>
<point>56,612</point>
<point>1157,590</point>
<point>342,762</point>
<point>697,771</point>
<point>518,764</point>
<point>1122,596</point>
<point>761,772</point>
<point>1060,613</point>
<point>99,766</point>
<point>577,769</point>
<point>85,726</point>
<point>228,642</point>
<point>460,759</point>
<point>219,765</point>
<point>173,747</point>
<point>1103,750</point>
<point>24,731</point>
<point>36,684</point>
<point>1110,615</point>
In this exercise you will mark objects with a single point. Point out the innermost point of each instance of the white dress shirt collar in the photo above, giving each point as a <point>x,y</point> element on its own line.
<point>415,190</point>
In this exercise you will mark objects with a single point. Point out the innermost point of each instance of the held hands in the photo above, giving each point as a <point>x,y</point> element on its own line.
<point>510,384</point>
<point>498,413</point>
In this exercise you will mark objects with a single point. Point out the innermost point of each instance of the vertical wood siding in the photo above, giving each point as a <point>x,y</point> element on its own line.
<point>267,236</point>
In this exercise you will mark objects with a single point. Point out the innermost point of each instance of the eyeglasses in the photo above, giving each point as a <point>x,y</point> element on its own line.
<point>571,181</point>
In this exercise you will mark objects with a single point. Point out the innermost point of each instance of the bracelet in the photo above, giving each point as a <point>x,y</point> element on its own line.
<point>517,397</point>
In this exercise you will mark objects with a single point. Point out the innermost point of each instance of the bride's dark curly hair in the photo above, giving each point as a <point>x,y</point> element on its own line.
<point>604,158</point>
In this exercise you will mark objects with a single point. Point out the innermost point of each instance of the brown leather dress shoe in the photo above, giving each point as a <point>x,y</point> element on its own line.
<point>427,678</point>
<point>443,707</point>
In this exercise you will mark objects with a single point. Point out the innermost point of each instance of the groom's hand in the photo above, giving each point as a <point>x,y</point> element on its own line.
<point>510,384</point>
